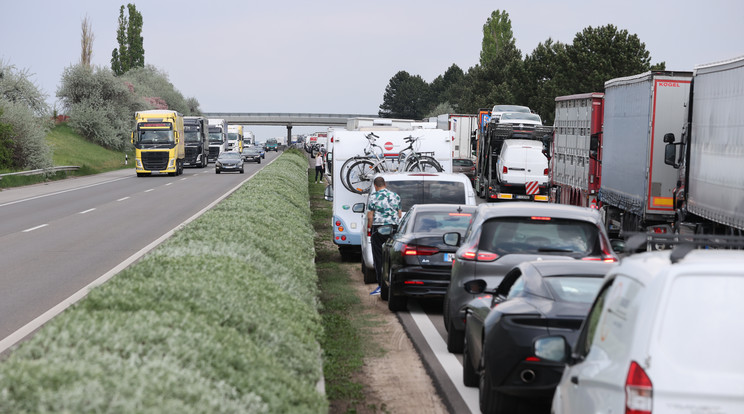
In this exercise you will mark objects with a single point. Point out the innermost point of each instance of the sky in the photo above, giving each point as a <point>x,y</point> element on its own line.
<point>338,56</point>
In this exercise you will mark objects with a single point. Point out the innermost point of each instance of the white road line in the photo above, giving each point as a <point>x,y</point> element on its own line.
<point>185,178</point>
<point>147,191</point>
<point>167,184</point>
<point>449,362</point>
<point>123,198</point>
<point>87,211</point>
<point>35,228</point>
<point>62,192</point>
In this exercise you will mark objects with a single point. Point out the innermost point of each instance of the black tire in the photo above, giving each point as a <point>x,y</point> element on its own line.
<point>397,303</point>
<point>359,177</point>
<point>216,171</point>
<point>242,170</point>
<point>494,402</point>
<point>470,376</point>
<point>424,164</point>
<point>259,160</point>
<point>368,274</point>
<point>455,339</point>
<point>141,175</point>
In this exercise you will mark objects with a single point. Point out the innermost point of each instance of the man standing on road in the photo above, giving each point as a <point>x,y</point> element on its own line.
<point>383,209</point>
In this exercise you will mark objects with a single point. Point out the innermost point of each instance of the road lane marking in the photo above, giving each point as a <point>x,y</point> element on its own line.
<point>35,228</point>
<point>147,191</point>
<point>185,178</point>
<point>62,191</point>
<point>87,211</point>
<point>168,184</point>
<point>449,362</point>
<point>123,198</point>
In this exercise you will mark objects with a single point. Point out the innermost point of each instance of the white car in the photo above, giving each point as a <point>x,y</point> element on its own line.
<point>663,336</point>
<point>415,188</point>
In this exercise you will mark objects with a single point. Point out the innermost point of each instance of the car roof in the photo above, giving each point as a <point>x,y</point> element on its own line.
<point>486,211</point>
<point>439,176</point>
<point>442,207</point>
<point>648,266</point>
<point>522,143</point>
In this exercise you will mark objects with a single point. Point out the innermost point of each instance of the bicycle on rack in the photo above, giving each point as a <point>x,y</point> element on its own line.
<point>357,172</point>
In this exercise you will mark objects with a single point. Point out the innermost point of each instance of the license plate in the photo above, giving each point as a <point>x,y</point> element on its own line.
<point>523,197</point>
<point>448,257</point>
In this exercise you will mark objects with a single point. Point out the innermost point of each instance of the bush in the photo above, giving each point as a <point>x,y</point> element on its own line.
<point>24,110</point>
<point>101,107</point>
<point>149,82</point>
<point>222,317</point>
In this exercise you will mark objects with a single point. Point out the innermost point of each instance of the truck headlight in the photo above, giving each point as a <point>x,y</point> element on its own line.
<point>139,163</point>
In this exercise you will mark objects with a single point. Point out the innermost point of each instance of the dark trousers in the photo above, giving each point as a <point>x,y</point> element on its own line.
<point>318,173</point>
<point>377,240</point>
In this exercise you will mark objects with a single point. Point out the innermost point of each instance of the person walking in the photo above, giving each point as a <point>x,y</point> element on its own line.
<point>383,209</point>
<point>318,168</point>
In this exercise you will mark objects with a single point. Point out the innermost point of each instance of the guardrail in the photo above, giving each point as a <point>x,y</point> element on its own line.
<point>42,170</point>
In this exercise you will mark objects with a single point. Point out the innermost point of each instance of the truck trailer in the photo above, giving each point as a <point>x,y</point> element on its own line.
<point>637,186</point>
<point>196,132</point>
<point>158,141</point>
<point>575,161</point>
<point>708,197</point>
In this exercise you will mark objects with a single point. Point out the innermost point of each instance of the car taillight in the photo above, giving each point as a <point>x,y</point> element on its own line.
<point>505,170</point>
<point>639,392</point>
<point>479,256</point>
<point>413,250</point>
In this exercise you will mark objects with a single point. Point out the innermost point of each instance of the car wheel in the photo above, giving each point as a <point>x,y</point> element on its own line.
<point>455,339</point>
<point>216,171</point>
<point>242,170</point>
<point>369,274</point>
<point>397,303</point>
<point>469,375</point>
<point>492,401</point>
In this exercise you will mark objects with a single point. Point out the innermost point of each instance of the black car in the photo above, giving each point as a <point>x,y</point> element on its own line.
<point>416,262</point>
<point>538,298</point>
<point>252,154</point>
<point>229,161</point>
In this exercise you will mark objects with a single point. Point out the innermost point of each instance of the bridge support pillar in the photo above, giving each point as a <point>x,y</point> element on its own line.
<point>289,136</point>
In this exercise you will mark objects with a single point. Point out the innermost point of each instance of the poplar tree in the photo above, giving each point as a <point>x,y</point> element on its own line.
<point>131,52</point>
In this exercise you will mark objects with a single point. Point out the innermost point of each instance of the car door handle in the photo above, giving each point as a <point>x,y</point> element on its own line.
<point>575,380</point>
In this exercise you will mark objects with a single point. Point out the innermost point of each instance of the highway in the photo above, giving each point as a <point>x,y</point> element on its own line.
<point>59,237</point>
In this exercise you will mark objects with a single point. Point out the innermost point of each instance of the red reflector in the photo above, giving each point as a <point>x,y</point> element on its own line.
<point>338,223</point>
<point>533,359</point>
<point>413,282</point>
<point>343,238</point>
<point>541,218</point>
<point>505,170</point>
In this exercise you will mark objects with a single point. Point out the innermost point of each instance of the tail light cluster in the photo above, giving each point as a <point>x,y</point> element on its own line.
<point>415,250</point>
<point>478,256</point>
<point>639,392</point>
<point>340,228</point>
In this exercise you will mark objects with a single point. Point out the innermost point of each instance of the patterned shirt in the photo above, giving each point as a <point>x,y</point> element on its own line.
<point>385,204</point>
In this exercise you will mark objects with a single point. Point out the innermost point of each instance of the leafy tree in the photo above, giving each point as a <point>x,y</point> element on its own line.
<point>131,51</point>
<point>447,86</point>
<point>545,79</point>
<point>406,97</point>
<point>151,83</point>
<point>22,107</point>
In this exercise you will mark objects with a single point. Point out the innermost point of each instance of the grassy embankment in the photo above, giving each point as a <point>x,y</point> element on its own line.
<point>347,338</point>
<point>69,148</point>
<point>220,318</point>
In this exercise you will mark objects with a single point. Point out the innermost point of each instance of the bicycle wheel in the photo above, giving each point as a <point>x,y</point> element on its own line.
<point>344,170</point>
<point>359,177</point>
<point>424,164</point>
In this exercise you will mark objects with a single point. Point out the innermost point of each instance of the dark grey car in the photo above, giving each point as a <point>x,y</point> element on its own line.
<point>500,236</point>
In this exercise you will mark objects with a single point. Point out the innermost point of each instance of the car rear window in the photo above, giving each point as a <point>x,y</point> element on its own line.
<point>441,222</point>
<point>577,289</point>
<point>427,192</point>
<point>462,163</point>
<point>531,235</point>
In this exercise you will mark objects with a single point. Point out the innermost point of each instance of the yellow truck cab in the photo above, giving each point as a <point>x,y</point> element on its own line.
<point>158,140</point>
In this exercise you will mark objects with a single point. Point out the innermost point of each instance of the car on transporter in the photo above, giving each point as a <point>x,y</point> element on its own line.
<point>416,262</point>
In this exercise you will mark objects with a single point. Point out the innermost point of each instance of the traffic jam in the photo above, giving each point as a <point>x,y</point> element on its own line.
<point>589,266</point>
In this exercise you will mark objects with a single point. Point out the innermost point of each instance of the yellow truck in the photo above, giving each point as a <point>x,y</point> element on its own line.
<point>158,140</point>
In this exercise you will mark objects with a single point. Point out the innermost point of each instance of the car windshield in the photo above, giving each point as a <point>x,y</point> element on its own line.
<point>440,222</point>
<point>462,163</point>
<point>510,108</point>
<point>229,156</point>
<point>574,288</point>
<point>427,192</point>
<point>533,235</point>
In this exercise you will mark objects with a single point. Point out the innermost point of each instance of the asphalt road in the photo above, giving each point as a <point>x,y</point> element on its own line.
<point>59,237</point>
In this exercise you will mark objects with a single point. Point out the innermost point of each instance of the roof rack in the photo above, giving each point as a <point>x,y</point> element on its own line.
<point>681,244</point>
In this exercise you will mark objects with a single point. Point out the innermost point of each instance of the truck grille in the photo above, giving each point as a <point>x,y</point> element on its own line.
<point>155,160</point>
<point>191,153</point>
<point>214,152</point>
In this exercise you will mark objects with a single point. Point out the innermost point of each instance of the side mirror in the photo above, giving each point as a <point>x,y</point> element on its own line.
<point>328,193</point>
<point>451,239</point>
<point>594,146</point>
<point>358,208</point>
<point>475,287</point>
<point>669,138</point>
<point>552,348</point>
<point>670,154</point>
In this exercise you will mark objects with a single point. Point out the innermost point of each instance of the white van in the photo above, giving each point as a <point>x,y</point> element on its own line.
<point>347,224</point>
<point>663,336</point>
<point>415,188</point>
<point>522,170</point>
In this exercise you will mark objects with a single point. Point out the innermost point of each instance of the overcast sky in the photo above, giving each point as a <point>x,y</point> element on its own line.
<point>338,56</point>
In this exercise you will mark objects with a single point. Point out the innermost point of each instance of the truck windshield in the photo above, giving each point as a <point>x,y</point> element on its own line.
<point>232,136</point>
<point>215,137</point>
<point>192,136</point>
<point>156,136</point>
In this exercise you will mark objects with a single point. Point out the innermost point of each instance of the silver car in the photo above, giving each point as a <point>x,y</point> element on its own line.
<point>501,236</point>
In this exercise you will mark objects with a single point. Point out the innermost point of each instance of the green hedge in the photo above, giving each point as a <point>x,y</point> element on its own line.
<point>220,318</point>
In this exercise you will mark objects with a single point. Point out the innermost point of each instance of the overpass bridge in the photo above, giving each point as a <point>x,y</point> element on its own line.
<point>286,119</point>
